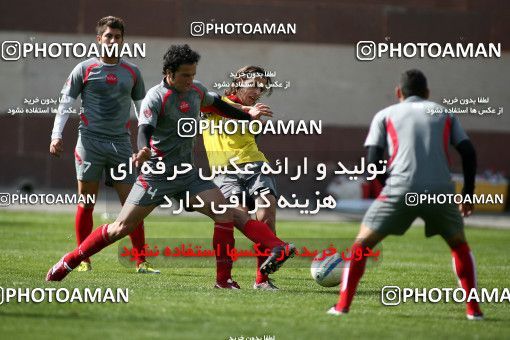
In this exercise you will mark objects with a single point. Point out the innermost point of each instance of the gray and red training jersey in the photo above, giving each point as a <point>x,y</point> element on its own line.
<point>417,143</point>
<point>162,108</point>
<point>106,93</point>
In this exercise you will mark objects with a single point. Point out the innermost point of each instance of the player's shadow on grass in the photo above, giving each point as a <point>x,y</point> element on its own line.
<point>14,224</point>
<point>75,316</point>
<point>460,317</point>
<point>368,291</point>
<point>333,291</point>
<point>193,274</point>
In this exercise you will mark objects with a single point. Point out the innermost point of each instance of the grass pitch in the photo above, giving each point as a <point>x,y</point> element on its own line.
<point>181,303</point>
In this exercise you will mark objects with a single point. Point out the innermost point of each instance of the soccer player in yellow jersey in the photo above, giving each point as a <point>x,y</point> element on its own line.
<point>249,84</point>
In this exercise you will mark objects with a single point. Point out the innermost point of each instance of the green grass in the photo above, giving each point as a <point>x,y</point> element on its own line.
<point>181,303</point>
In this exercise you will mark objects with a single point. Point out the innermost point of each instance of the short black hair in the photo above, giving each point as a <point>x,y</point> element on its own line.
<point>178,55</point>
<point>413,83</point>
<point>109,21</point>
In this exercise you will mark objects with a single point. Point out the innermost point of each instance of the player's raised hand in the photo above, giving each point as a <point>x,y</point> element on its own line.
<point>56,147</point>
<point>466,209</point>
<point>141,156</point>
<point>259,110</point>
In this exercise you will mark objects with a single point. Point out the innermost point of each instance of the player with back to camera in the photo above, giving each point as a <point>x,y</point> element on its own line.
<point>417,143</point>
<point>248,85</point>
<point>178,96</point>
<point>107,86</point>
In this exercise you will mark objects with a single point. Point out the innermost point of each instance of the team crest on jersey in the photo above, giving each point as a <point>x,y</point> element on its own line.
<point>147,113</point>
<point>184,106</point>
<point>111,79</point>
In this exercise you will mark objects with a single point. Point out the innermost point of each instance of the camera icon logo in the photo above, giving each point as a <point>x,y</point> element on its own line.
<point>197,28</point>
<point>390,295</point>
<point>187,127</point>
<point>11,50</point>
<point>5,199</point>
<point>365,50</point>
<point>411,199</point>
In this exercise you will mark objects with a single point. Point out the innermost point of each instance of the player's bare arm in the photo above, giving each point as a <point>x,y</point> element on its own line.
<point>262,107</point>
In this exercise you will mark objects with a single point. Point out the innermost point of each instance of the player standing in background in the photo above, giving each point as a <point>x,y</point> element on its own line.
<point>177,97</point>
<point>417,143</point>
<point>107,86</point>
<point>248,85</point>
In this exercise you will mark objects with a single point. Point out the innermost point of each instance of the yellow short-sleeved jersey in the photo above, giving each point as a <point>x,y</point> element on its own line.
<point>221,147</point>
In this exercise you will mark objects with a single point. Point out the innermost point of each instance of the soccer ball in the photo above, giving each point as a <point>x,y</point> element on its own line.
<point>327,271</point>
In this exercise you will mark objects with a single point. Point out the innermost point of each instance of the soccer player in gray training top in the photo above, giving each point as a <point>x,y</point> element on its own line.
<point>107,86</point>
<point>417,143</point>
<point>178,96</point>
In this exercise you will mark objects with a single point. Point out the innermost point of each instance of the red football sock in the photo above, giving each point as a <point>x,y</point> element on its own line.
<point>464,268</point>
<point>223,236</point>
<point>259,232</point>
<point>96,241</point>
<point>260,277</point>
<point>83,224</point>
<point>138,240</point>
<point>351,275</point>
